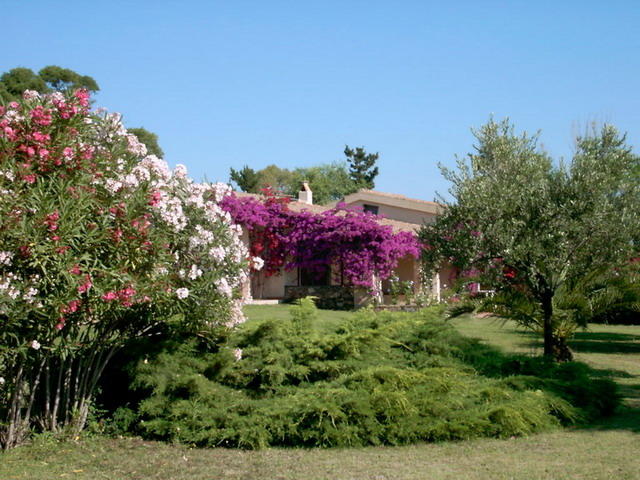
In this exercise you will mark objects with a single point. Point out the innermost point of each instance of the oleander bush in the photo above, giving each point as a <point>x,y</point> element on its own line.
<point>375,378</point>
<point>99,243</point>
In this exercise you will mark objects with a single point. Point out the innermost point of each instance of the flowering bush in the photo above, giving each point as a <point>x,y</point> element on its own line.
<point>99,242</point>
<point>350,239</point>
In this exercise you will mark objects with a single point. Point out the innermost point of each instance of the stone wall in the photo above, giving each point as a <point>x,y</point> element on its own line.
<point>334,297</point>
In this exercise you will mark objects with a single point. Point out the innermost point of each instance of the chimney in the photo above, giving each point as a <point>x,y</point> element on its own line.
<point>305,195</point>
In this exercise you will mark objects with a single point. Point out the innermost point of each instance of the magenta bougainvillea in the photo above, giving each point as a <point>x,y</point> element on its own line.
<point>348,239</point>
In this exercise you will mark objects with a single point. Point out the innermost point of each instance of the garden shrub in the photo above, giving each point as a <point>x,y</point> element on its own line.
<point>99,243</point>
<point>371,379</point>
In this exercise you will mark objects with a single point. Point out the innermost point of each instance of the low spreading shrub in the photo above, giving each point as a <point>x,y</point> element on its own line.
<point>375,378</point>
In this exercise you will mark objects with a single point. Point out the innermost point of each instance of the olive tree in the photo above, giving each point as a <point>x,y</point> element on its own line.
<point>536,229</point>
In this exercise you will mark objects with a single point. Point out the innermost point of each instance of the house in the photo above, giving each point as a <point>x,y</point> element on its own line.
<point>409,215</point>
<point>403,214</point>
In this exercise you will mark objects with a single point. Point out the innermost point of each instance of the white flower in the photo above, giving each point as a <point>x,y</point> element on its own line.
<point>237,353</point>
<point>217,253</point>
<point>29,94</point>
<point>5,258</point>
<point>135,146</point>
<point>29,295</point>
<point>8,174</point>
<point>113,185</point>
<point>195,272</point>
<point>56,97</point>
<point>35,345</point>
<point>180,171</point>
<point>131,181</point>
<point>162,271</point>
<point>2,380</point>
<point>237,315</point>
<point>257,263</point>
<point>182,292</point>
<point>224,287</point>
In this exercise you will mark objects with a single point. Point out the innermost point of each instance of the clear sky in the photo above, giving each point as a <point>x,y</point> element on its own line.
<point>231,83</point>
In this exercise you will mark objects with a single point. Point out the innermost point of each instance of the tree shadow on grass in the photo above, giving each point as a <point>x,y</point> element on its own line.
<point>492,361</point>
<point>589,342</point>
<point>627,417</point>
<point>592,342</point>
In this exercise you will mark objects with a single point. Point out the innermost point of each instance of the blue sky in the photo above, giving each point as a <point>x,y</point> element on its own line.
<point>231,83</point>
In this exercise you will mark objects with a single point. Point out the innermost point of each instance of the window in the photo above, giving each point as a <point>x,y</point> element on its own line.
<point>315,278</point>
<point>371,209</point>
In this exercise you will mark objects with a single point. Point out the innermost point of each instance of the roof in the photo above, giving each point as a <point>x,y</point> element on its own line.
<point>395,200</point>
<point>293,204</point>
<point>296,206</point>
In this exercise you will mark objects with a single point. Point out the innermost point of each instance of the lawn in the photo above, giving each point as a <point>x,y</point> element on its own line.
<point>609,449</point>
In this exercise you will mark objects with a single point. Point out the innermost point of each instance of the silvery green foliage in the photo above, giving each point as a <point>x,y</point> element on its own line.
<point>535,225</point>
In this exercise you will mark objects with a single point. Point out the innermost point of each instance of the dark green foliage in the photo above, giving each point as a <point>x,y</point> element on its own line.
<point>17,80</point>
<point>150,140</point>
<point>375,378</point>
<point>329,182</point>
<point>247,179</point>
<point>58,78</point>
<point>362,169</point>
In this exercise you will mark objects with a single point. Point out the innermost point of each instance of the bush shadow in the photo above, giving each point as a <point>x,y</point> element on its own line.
<point>599,342</point>
<point>492,361</point>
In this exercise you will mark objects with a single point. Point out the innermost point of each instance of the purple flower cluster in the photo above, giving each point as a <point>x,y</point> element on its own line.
<point>351,241</point>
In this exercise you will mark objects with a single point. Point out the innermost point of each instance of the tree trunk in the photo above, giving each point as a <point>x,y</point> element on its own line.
<point>561,351</point>
<point>555,347</point>
<point>547,326</point>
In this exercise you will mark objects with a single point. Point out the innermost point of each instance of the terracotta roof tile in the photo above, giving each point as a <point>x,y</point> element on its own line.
<point>397,196</point>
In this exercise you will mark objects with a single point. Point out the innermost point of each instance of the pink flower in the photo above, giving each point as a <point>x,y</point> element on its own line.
<point>107,297</point>
<point>155,198</point>
<point>41,116</point>
<point>67,152</point>
<point>53,217</point>
<point>75,270</point>
<point>117,235</point>
<point>41,137</point>
<point>83,97</point>
<point>86,285</point>
<point>43,152</point>
<point>10,133</point>
<point>72,306</point>
<point>127,292</point>
<point>29,178</point>
<point>87,152</point>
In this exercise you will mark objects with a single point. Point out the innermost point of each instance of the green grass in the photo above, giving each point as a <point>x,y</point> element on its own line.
<point>265,312</point>
<point>607,450</point>
<point>612,349</point>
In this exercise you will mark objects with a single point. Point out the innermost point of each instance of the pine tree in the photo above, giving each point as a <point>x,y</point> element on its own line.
<point>246,178</point>
<point>362,169</point>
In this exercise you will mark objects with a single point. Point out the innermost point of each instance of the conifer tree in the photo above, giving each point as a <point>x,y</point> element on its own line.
<point>362,169</point>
